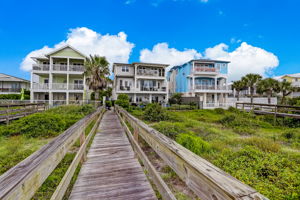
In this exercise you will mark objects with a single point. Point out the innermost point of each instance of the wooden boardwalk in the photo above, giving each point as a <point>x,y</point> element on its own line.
<point>111,170</point>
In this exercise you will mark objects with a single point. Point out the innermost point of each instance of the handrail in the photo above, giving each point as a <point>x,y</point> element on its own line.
<point>206,180</point>
<point>24,179</point>
<point>268,105</point>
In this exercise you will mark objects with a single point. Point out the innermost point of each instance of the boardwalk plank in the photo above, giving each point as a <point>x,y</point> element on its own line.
<point>111,170</point>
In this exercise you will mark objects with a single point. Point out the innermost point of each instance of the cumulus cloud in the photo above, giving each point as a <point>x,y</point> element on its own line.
<point>116,48</point>
<point>161,53</point>
<point>244,59</point>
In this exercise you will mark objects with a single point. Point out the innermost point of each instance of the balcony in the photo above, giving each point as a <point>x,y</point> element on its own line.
<point>41,67</point>
<point>296,84</point>
<point>76,68</point>
<point>211,87</point>
<point>125,88</point>
<point>149,72</point>
<point>206,69</point>
<point>57,67</point>
<point>76,86</point>
<point>153,89</point>
<point>40,86</point>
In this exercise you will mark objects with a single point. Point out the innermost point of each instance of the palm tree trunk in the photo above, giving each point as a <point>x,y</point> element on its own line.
<point>251,95</point>
<point>238,95</point>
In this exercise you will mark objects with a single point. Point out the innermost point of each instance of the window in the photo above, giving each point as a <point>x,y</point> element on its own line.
<point>125,69</point>
<point>46,81</point>
<point>78,82</point>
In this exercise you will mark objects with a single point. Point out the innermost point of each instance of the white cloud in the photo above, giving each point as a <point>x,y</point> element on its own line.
<point>244,59</point>
<point>116,48</point>
<point>161,53</point>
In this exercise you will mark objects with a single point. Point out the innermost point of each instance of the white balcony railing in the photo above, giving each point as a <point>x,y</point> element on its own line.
<point>153,89</point>
<point>40,86</point>
<point>76,86</point>
<point>76,68</point>
<point>296,84</point>
<point>210,87</point>
<point>206,69</point>
<point>57,67</point>
<point>41,67</point>
<point>149,72</point>
<point>59,86</point>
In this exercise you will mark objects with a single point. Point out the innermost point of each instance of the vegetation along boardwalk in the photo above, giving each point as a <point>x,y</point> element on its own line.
<point>111,170</point>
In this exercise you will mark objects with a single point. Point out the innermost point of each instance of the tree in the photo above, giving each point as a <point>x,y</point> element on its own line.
<point>286,89</point>
<point>268,86</point>
<point>251,80</point>
<point>96,73</point>
<point>238,86</point>
<point>123,100</point>
<point>176,98</point>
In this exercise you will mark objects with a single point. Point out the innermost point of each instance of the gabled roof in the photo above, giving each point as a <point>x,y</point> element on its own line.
<point>64,47</point>
<point>297,75</point>
<point>9,78</point>
<point>209,60</point>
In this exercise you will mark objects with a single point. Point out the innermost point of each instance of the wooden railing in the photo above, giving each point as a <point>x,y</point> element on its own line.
<point>15,111</point>
<point>271,109</point>
<point>23,180</point>
<point>206,180</point>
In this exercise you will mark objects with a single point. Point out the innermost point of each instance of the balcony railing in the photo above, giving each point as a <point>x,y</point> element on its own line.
<point>76,68</point>
<point>210,87</point>
<point>148,72</point>
<point>154,89</point>
<point>206,69</point>
<point>125,88</point>
<point>41,67</point>
<point>10,90</point>
<point>76,86</point>
<point>40,86</point>
<point>296,84</point>
<point>59,86</point>
<point>57,67</point>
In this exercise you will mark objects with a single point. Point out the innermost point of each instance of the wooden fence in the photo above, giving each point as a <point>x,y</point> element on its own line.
<point>23,180</point>
<point>271,109</point>
<point>15,111</point>
<point>206,180</point>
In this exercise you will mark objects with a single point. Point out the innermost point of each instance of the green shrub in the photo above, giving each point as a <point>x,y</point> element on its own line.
<point>264,144</point>
<point>244,130</point>
<point>220,111</point>
<point>154,113</point>
<point>194,143</point>
<point>169,129</point>
<point>274,175</point>
<point>233,109</point>
<point>123,101</point>
<point>14,96</point>
<point>108,103</point>
<point>46,124</point>
<point>292,135</point>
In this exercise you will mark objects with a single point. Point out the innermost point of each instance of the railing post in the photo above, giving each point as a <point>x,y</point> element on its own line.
<point>82,140</point>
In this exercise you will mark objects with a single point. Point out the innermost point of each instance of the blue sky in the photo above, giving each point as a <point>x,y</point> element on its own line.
<point>186,26</point>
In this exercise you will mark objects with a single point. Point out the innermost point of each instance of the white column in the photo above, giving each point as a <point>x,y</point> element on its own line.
<point>134,98</point>
<point>50,98</point>
<point>216,83</point>
<point>216,99</point>
<point>150,98</point>
<point>193,83</point>
<point>204,100</point>
<point>67,97</point>
<point>31,88</point>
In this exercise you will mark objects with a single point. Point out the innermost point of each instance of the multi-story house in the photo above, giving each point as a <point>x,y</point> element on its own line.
<point>142,82</point>
<point>12,85</point>
<point>203,78</point>
<point>58,77</point>
<point>294,79</point>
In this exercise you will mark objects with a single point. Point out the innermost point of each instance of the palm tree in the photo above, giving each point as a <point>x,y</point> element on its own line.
<point>268,86</point>
<point>286,89</point>
<point>251,80</point>
<point>238,86</point>
<point>96,73</point>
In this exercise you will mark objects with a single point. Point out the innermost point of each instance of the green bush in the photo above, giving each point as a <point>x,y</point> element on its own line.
<point>169,129</point>
<point>108,103</point>
<point>123,101</point>
<point>46,124</point>
<point>233,109</point>
<point>194,143</point>
<point>274,175</point>
<point>14,96</point>
<point>264,144</point>
<point>154,113</point>
<point>219,111</point>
